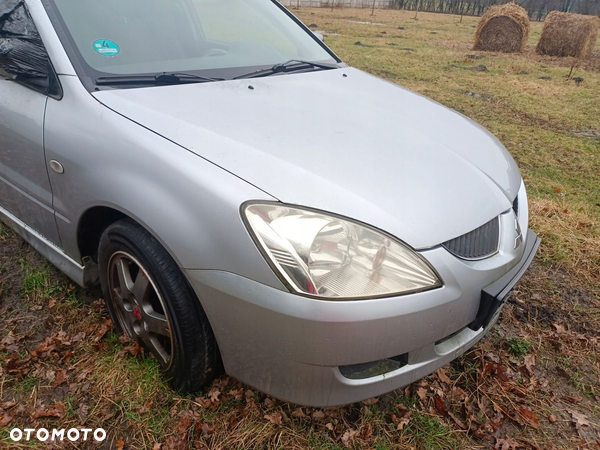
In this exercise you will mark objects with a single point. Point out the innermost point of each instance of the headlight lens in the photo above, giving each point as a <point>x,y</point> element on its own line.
<point>329,257</point>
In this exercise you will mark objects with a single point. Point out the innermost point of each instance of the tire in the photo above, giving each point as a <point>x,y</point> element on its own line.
<point>149,299</point>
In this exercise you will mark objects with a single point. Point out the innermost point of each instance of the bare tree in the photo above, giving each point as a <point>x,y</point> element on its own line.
<point>537,9</point>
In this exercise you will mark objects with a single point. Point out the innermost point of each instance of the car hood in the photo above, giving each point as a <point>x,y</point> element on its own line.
<point>341,141</point>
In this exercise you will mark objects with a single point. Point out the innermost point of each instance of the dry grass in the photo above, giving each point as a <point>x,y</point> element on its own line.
<point>503,28</point>
<point>570,232</point>
<point>567,34</point>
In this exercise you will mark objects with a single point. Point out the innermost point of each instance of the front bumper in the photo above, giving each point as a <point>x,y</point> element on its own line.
<point>292,347</point>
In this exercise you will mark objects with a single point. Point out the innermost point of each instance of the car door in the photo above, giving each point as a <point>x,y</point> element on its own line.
<point>25,83</point>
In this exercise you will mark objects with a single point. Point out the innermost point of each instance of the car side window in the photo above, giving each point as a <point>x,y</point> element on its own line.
<point>23,57</point>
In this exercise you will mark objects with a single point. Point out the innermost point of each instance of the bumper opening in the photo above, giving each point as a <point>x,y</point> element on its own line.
<point>450,336</point>
<point>374,368</point>
<point>494,295</point>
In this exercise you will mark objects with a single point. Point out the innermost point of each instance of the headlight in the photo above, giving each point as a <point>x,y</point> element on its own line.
<point>329,257</point>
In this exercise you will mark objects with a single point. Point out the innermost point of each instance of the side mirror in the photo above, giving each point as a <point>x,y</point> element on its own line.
<point>319,36</point>
<point>23,58</point>
<point>22,53</point>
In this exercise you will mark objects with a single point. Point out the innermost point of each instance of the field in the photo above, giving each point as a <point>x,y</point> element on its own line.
<point>534,382</point>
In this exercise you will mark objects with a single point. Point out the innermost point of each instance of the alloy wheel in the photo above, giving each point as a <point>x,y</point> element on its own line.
<point>139,307</point>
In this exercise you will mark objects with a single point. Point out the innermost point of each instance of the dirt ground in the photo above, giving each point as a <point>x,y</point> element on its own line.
<point>533,383</point>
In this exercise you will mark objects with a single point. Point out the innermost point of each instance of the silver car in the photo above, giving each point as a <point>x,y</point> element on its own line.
<point>247,200</point>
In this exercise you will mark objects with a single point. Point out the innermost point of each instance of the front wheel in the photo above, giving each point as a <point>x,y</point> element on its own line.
<point>150,300</point>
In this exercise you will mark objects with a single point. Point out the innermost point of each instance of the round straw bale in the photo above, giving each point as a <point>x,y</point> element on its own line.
<point>567,34</point>
<point>503,28</point>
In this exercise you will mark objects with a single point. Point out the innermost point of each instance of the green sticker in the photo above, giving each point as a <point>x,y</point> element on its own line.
<point>106,47</point>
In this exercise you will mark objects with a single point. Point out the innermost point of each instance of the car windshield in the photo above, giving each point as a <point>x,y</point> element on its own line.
<point>216,38</point>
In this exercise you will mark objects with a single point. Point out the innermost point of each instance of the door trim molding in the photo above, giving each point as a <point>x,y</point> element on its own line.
<point>84,275</point>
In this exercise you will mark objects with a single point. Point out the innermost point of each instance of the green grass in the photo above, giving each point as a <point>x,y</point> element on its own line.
<point>35,280</point>
<point>26,385</point>
<point>428,433</point>
<point>3,232</point>
<point>519,347</point>
<point>135,381</point>
<point>71,405</point>
<point>578,380</point>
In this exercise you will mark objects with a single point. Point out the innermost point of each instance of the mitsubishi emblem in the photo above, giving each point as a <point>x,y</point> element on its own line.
<point>519,238</point>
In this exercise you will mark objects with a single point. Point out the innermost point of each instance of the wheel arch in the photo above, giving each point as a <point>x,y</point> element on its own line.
<point>91,225</point>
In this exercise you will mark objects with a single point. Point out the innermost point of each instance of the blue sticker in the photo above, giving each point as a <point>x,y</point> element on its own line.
<point>106,47</point>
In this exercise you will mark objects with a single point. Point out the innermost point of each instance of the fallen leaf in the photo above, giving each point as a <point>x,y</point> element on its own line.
<point>498,369</point>
<point>135,350</point>
<point>60,378</point>
<point>370,401</point>
<point>458,393</point>
<point>78,337</point>
<point>402,423</point>
<point>529,417</point>
<point>492,357</point>
<point>156,446</point>
<point>145,407</point>
<point>317,415</point>
<point>530,363</point>
<point>185,422</point>
<point>204,402</point>
<point>299,413</point>
<point>8,340</point>
<point>82,412</point>
<point>366,431</point>
<point>439,405</point>
<point>329,426</point>
<point>574,400</point>
<point>558,190</point>
<point>559,328</point>
<point>348,437</point>
<point>457,421</point>
<point>104,328</point>
<point>552,418</point>
<point>58,410</point>
<point>119,444</point>
<point>17,366</point>
<point>205,429</point>
<point>213,395</point>
<point>441,373</point>
<point>50,375</point>
<point>236,393</point>
<point>51,303</point>
<point>7,405</point>
<point>498,420</point>
<point>579,419</point>
<point>274,418</point>
<point>5,420</point>
<point>422,393</point>
<point>507,443</point>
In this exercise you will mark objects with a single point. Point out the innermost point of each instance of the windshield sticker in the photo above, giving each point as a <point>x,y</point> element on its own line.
<point>106,47</point>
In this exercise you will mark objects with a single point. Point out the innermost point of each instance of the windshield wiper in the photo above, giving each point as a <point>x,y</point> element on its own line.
<point>288,66</point>
<point>162,78</point>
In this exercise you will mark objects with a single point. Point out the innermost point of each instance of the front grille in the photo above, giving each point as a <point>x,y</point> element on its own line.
<point>477,244</point>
